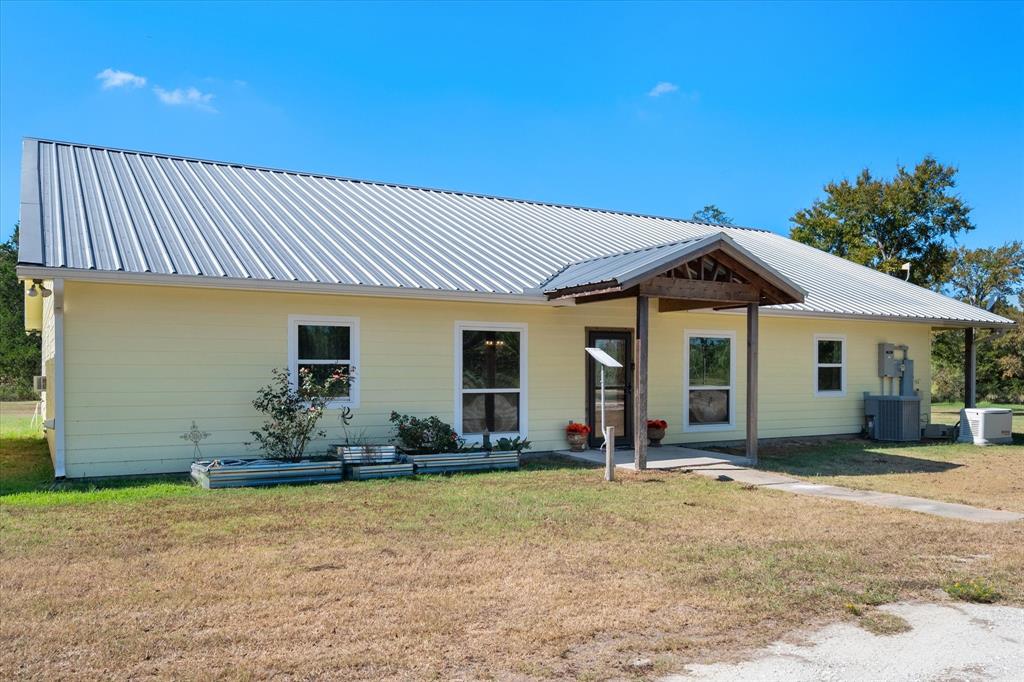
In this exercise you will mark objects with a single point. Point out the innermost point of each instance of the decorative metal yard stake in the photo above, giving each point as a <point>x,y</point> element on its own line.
<point>194,436</point>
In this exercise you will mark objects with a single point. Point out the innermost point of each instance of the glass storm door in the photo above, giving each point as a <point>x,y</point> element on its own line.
<point>618,387</point>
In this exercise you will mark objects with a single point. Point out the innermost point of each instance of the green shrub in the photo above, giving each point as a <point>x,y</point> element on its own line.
<point>426,436</point>
<point>976,590</point>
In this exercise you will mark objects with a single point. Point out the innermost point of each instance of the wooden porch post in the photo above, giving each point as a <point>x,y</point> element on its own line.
<point>640,385</point>
<point>752,314</point>
<point>970,364</point>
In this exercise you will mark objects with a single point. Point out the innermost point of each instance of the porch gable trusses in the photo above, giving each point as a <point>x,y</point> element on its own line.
<point>707,272</point>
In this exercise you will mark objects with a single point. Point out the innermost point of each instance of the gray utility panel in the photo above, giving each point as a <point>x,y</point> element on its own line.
<point>895,415</point>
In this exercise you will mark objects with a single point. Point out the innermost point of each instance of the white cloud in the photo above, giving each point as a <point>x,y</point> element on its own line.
<point>185,97</point>
<point>662,88</point>
<point>119,79</point>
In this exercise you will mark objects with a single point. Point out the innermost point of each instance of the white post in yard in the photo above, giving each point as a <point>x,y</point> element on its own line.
<point>609,453</point>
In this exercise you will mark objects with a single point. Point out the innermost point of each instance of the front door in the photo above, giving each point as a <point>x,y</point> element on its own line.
<point>618,386</point>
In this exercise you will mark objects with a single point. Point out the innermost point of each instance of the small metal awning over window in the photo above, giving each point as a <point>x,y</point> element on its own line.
<point>706,272</point>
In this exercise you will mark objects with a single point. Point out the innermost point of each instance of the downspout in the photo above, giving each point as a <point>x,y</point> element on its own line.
<point>58,379</point>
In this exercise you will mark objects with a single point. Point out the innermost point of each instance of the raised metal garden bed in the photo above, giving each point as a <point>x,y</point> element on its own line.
<point>364,472</point>
<point>364,462</point>
<point>450,462</point>
<point>237,473</point>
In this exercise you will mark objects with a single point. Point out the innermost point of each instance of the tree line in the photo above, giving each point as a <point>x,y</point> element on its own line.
<point>19,351</point>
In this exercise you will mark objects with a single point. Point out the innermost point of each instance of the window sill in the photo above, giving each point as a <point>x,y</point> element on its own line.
<point>697,428</point>
<point>830,394</point>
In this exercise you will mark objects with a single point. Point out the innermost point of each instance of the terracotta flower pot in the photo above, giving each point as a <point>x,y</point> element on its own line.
<point>577,441</point>
<point>655,436</point>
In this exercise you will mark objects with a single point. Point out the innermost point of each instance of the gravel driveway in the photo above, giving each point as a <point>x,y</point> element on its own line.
<point>947,642</point>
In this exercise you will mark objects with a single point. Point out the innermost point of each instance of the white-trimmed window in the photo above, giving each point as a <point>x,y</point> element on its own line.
<point>829,365</point>
<point>709,390</point>
<point>324,345</point>
<point>490,379</point>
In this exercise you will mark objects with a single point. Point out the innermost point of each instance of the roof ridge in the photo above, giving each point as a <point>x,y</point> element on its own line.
<point>398,185</point>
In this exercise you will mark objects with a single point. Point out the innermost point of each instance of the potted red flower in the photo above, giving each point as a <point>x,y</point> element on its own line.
<point>576,434</point>
<point>656,431</point>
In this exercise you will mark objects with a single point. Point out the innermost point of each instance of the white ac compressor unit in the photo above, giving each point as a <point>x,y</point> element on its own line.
<point>986,426</point>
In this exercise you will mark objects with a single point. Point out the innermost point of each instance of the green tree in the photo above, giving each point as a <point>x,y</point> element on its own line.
<point>711,214</point>
<point>885,223</point>
<point>19,352</point>
<point>1009,355</point>
<point>990,278</point>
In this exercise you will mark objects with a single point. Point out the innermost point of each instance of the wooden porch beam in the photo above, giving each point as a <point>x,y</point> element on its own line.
<point>729,292</point>
<point>640,384</point>
<point>752,341</point>
<point>671,305</point>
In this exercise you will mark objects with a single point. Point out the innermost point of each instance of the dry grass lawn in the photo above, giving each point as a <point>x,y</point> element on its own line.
<point>544,573</point>
<point>990,477</point>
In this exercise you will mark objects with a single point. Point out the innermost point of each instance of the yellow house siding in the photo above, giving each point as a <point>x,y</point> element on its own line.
<point>143,361</point>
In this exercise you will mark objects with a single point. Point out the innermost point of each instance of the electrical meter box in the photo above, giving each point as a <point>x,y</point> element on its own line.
<point>888,365</point>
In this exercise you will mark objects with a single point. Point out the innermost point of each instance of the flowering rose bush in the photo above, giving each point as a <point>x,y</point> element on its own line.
<point>576,427</point>
<point>657,424</point>
<point>294,412</point>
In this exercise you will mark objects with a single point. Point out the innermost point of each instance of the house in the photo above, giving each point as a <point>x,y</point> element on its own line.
<point>172,286</point>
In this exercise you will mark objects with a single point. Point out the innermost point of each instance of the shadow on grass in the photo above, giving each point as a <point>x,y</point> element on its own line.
<point>24,464</point>
<point>551,461</point>
<point>25,468</point>
<point>850,458</point>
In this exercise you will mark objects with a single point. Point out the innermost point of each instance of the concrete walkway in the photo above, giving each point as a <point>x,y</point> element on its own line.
<point>948,641</point>
<point>729,468</point>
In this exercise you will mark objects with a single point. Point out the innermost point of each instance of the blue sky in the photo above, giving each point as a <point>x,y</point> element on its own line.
<point>761,103</point>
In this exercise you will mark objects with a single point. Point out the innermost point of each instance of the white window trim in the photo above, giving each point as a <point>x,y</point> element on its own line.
<point>815,365</point>
<point>462,326</point>
<point>718,334</point>
<point>325,320</point>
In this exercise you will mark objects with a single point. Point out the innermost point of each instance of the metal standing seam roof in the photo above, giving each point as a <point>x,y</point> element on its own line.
<point>88,208</point>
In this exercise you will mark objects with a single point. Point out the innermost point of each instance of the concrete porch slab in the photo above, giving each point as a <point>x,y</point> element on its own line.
<point>665,457</point>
